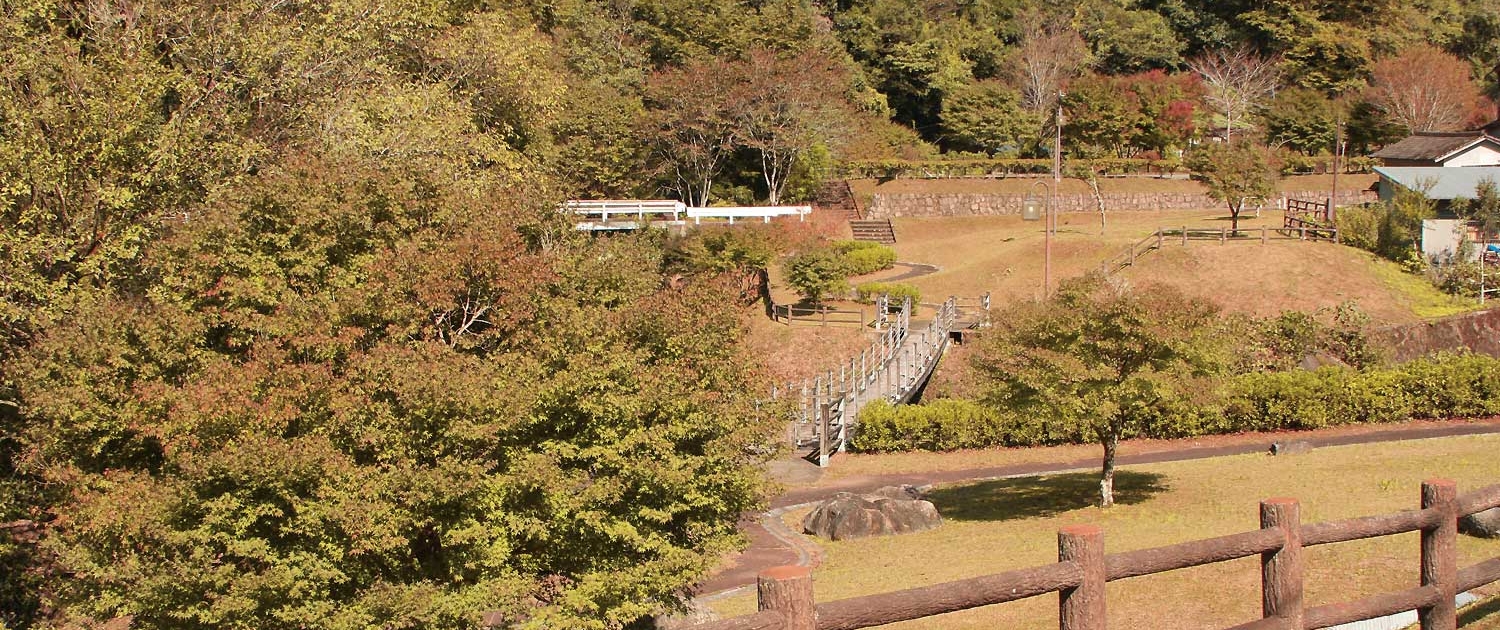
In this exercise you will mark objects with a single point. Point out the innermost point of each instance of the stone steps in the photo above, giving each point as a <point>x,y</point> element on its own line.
<point>836,197</point>
<point>876,230</point>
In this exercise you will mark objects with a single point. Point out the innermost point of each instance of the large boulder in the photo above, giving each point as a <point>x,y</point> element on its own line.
<point>889,510</point>
<point>1484,524</point>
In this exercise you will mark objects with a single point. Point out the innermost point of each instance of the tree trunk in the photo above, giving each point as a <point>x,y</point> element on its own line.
<point>1107,480</point>
<point>1234,216</point>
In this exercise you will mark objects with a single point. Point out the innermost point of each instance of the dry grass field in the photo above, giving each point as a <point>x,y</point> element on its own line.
<point>864,188</point>
<point>999,525</point>
<point>1004,255</point>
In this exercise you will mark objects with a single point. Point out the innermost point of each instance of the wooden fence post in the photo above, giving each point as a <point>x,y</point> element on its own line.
<point>1184,236</point>
<point>788,590</point>
<point>1440,554</point>
<point>1159,233</point>
<point>1263,235</point>
<point>1082,607</point>
<point>1281,570</point>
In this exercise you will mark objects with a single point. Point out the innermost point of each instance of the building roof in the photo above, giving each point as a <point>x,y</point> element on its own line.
<point>1433,146</point>
<point>1447,183</point>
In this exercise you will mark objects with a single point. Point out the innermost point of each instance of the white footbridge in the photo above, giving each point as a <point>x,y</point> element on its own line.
<point>606,215</point>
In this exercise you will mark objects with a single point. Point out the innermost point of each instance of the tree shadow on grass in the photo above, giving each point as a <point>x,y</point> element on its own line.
<point>1027,497</point>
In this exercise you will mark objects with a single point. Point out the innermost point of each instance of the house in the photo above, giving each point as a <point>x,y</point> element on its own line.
<point>1440,236</point>
<point>1440,184</point>
<point>1445,148</point>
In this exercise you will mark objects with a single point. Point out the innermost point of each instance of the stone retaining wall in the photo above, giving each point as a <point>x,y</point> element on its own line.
<point>886,206</point>
<point>1479,332</point>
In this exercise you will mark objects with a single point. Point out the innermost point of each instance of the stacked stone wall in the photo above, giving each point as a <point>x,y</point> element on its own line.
<point>888,206</point>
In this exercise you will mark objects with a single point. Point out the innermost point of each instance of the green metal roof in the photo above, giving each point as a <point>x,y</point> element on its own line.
<point>1447,182</point>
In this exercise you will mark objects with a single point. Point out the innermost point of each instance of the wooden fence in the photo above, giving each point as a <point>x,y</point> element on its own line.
<point>1222,234</point>
<point>1082,569</point>
<point>788,314</point>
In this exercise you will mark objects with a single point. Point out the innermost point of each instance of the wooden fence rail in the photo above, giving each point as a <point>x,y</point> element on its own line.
<point>1082,569</point>
<point>788,314</point>
<point>1222,234</point>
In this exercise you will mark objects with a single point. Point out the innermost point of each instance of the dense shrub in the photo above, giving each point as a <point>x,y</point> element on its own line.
<point>1359,226</point>
<point>817,273</point>
<point>1440,386</point>
<point>863,257</point>
<point>867,292</point>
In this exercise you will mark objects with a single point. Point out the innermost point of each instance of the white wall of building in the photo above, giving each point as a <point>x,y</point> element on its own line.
<point>1482,154</point>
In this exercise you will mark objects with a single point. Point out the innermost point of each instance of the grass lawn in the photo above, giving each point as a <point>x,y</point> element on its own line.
<point>1007,524</point>
<point>864,188</point>
<point>1004,255</point>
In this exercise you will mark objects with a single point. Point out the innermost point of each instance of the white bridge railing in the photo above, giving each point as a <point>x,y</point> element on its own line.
<point>593,213</point>
<point>893,368</point>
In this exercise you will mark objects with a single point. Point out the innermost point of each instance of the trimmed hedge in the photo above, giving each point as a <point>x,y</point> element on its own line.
<point>867,292</point>
<point>1441,386</point>
<point>862,257</point>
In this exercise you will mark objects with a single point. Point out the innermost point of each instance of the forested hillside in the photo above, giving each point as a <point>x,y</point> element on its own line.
<point>292,336</point>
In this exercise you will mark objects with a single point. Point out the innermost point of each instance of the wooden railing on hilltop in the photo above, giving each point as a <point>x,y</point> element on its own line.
<point>1311,216</point>
<point>1222,234</point>
<point>1082,569</point>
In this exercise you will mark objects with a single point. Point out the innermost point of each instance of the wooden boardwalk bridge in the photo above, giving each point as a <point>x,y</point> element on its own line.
<point>894,368</point>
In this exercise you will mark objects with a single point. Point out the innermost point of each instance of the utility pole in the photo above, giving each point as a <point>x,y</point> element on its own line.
<point>1338,150</point>
<point>1052,201</point>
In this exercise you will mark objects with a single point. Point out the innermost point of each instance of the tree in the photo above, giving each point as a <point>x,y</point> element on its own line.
<point>1127,40</point>
<point>1300,119</point>
<point>1168,104</point>
<point>1050,53</point>
<point>1236,80</point>
<point>1234,172</point>
<point>987,116</point>
<point>689,127</point>
<point>784,108</point>
<point>1098,354</point>
<point>1483,209</point>
<point>817,272</point>
<point>1101,118</point>
<point>1423,89</point>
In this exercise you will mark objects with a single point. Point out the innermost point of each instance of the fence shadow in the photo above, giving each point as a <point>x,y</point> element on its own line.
<point>1028,497</point>
<point>1486,610</point>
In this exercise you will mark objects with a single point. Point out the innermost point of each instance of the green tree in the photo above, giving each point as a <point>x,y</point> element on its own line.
<point>1234,173</point>
<point>1125,40</point>
<point>987,116</point>
<point>817,273</point>
<point>1100,118</point>
<point>1300,119</point>
<point>1483,209</point>
<point>1099,354</point>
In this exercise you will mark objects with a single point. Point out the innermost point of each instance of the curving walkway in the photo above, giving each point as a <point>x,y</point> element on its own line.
<point>773,544</point>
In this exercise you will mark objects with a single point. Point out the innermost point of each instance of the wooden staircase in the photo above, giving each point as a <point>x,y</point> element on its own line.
<point>836,198</point>
<point>877,230</point>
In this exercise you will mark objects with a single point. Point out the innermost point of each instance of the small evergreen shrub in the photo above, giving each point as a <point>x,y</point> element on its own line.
<point>867,293</point>
<point>863,257</point>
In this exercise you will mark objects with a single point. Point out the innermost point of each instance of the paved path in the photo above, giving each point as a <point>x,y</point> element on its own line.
<point>771,544</point>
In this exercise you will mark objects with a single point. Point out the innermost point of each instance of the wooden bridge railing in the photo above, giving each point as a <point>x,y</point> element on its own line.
<point>1082,569</point>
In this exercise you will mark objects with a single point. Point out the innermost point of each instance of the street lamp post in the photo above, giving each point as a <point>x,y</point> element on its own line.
<point>1033,212</point>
